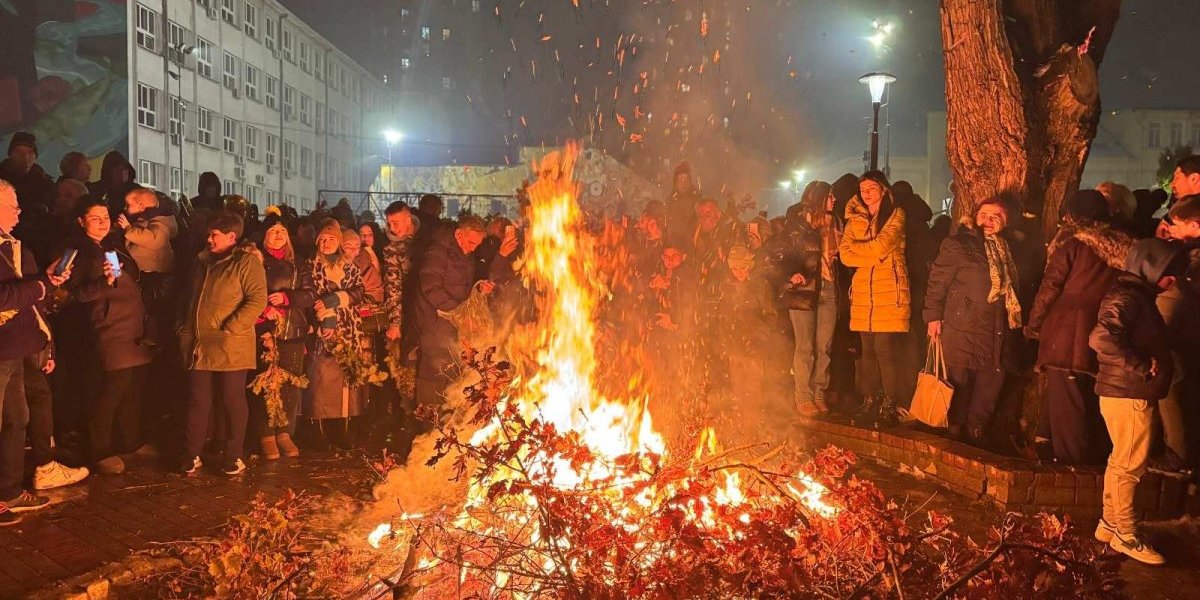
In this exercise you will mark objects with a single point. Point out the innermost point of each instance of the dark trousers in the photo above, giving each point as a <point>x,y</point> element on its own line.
<point>235,411</point>
<point>1071,418</point>
<point>976,394</point>
<point>41,412</point>
<point>885,364</point>
<point>291,358</point>
<point>14,415</point>
<point>119,403</point>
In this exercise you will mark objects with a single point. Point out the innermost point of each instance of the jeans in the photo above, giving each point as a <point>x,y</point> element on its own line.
<point>41,412</point>
<point>233,401</point>
<point>14,418</point>
<point>976,393</point>
<point>118,403</point>
<point>1070,417</point>
<point>291,358</point>
<point>885,364</point>
<point>813,330</point>
<point>1130,425</point>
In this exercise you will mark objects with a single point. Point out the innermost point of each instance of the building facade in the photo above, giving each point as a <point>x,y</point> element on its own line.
<point>241,88</point>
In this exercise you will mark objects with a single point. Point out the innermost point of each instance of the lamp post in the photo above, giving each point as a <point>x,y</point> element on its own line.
<point>392,137</point>
<point>182,50</point>
<point>877,84</point>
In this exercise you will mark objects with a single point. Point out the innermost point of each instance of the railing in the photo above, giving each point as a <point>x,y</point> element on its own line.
<point>376,202</point>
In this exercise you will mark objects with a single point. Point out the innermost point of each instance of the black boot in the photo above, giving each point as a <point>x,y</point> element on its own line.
<point>887,413</point>
<point>868,413</point>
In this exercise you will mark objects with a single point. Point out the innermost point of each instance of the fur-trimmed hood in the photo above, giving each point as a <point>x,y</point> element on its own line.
<point>1111,245</point>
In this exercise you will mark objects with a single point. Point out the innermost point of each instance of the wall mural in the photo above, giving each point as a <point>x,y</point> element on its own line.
<point>64,76</point>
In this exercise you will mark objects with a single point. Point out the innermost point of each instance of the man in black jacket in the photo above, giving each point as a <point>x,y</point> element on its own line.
<point>22,334</point>
<point>1130,340</point>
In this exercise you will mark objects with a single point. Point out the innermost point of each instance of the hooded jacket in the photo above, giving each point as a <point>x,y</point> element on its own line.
<point>1084,260</point>
<point>148,238</point>
<point>1130,335</point>
<point>114,193</point>
<point>228,293</point>
<point>879,294</point>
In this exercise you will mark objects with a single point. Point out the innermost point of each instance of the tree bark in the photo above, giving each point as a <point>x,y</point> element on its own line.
<point>1022,99</point>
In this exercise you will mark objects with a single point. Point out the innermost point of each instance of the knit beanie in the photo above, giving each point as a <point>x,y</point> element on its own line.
<point>23,138</point>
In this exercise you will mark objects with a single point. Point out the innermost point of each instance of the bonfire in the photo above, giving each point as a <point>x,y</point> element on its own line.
<point>566,493</point>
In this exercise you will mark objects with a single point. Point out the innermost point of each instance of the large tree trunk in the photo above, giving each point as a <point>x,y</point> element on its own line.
<point>1023,99</point>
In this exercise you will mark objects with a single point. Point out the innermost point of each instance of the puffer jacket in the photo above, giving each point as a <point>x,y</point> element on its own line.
<point>1129,333</point>
<point>228,294</point>
<point>1084,261</point>
<point>283,275</point>
<point>796,250</point>
<point>148,238</point>
<point>879,294</point>
<point>975,332</point>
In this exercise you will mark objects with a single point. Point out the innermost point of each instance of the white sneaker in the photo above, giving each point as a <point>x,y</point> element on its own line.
<point>1105,531</point>
<point>1134,546</point>
<point>53,474</point>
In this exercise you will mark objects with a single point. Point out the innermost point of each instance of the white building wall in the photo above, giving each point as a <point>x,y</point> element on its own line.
<point>320,77</point>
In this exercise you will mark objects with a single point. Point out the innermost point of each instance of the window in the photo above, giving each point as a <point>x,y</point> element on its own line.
<point>403,14</point>
<point>178,121</point>
<point>1154,137</point>
<point>320,114</point>
<point>289,153</point>
<point>204,51</point>
<point>272,148</point>
<point>231,135</point>
<point>405,63</point>
<point>146,173</point>
<point>231,71</point>
<point>147,106</point>
<point>304,49</point>
<point>272,92</point>
<point>289,101</point>
<point>319,166</point>
<point>290,199</point>
<point>445,35</point>
<point>287,45</point>
<point>269,37</point>
<point>204,127</point>
<point>446,83</point>
<point>176,179</point>
<point>305,109</point>
<point>1195,136</point>
<point>252,194</point>
<point>252,74</point>
<point>272,197</point>
<point>250,148</point>
<point>474,6</point>
<point>176,37</point>
<point>425,49</point>
<point>1176,135</point>
<point>251,24</point>
<point>425,33</point>
<point>228,13</point>
<point>231,187</point>
<point>305,161</point>
<point>318,67</point>
<point>147,28</point>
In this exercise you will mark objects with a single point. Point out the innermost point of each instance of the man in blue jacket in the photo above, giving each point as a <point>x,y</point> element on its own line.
<point>22,334</point>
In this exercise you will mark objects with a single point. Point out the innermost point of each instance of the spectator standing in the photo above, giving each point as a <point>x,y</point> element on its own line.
<point>35,192</point>
<point>1130,340</point>
<point>681,205</point>
<point>149,227</point>
<point>76,171</point>
<point>747,319</point>
<point>873,244</point>
<point>363,257</point>
<point>972,307</point>
<point>289,298</point>
<point>1121,206</point>
<point>1083,262</point>
<point>229,292</point>
<point>117,178</point>
<point>21,288</point>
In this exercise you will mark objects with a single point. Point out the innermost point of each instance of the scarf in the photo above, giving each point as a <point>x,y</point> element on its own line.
<point>1002,272</point>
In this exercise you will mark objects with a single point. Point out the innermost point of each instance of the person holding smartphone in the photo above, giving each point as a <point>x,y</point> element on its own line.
<point>106,299</point>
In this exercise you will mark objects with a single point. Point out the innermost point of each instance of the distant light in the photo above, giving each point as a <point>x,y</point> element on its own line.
<point>887,28</point>
<point>800,176</point>
<point>877,40</point>
<point>785,185</point>
<point>877,83</point>
<point>392,137</point>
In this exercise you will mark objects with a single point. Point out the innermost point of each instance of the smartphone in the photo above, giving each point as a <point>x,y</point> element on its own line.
<point>510,231</point>
<point>752,228</point>
<point>64,263</point>
<point>112,259</point>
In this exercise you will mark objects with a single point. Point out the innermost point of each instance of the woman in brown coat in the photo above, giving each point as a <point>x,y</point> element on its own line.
<point>1084,260</point>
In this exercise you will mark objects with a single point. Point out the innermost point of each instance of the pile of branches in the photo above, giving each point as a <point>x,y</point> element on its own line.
<point>653,528</point>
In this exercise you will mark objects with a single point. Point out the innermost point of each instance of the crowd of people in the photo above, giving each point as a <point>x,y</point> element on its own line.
<point>110,290</point>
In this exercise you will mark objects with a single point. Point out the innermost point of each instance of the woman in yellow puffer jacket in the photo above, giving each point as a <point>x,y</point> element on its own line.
<point>873,245</point>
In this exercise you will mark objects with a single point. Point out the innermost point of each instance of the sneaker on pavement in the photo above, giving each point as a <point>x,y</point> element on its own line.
<point>1105,531</point>
<point>27,502</point>
<point>190,466</point>
<point>1134,546</point>
<point>8,517</point>
<point>236,467</point>
<point>112,465</point>
<point>54,474</point>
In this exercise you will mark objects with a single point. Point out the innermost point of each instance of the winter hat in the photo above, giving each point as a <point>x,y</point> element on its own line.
<point>1087,204</point>
<point>1151,258</point>
<point>23,138</point>
<point>740,257</point>
<point>272,220</point>
<point>331,227</point>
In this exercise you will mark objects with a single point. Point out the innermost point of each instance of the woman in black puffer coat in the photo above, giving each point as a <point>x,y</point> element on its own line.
<point>972,308</point>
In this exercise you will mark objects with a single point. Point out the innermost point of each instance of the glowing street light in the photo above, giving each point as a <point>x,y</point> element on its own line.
<point>800,176</point>
<point>785,185</point>
<point>882,32</point>
<point>392,137</point>
<point>877,84</point>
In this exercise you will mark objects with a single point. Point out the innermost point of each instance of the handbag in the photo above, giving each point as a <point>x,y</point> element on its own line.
<point>931,402</point>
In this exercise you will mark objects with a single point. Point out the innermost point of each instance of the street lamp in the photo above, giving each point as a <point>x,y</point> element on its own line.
<point>392,137</point>
<point>877,84</point>
<point>800,176</point>
<point>182,50</point>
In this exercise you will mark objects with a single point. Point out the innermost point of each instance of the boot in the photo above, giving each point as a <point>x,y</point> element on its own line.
<point>866,416</point>
<point>287,446</point>
<point>887,413</point>
<point>270,449</point>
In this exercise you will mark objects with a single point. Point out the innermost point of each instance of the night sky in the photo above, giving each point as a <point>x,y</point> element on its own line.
<point>804,64</point>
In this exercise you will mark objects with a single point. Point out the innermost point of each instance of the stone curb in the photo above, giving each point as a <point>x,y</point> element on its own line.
<point>97,584</point>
